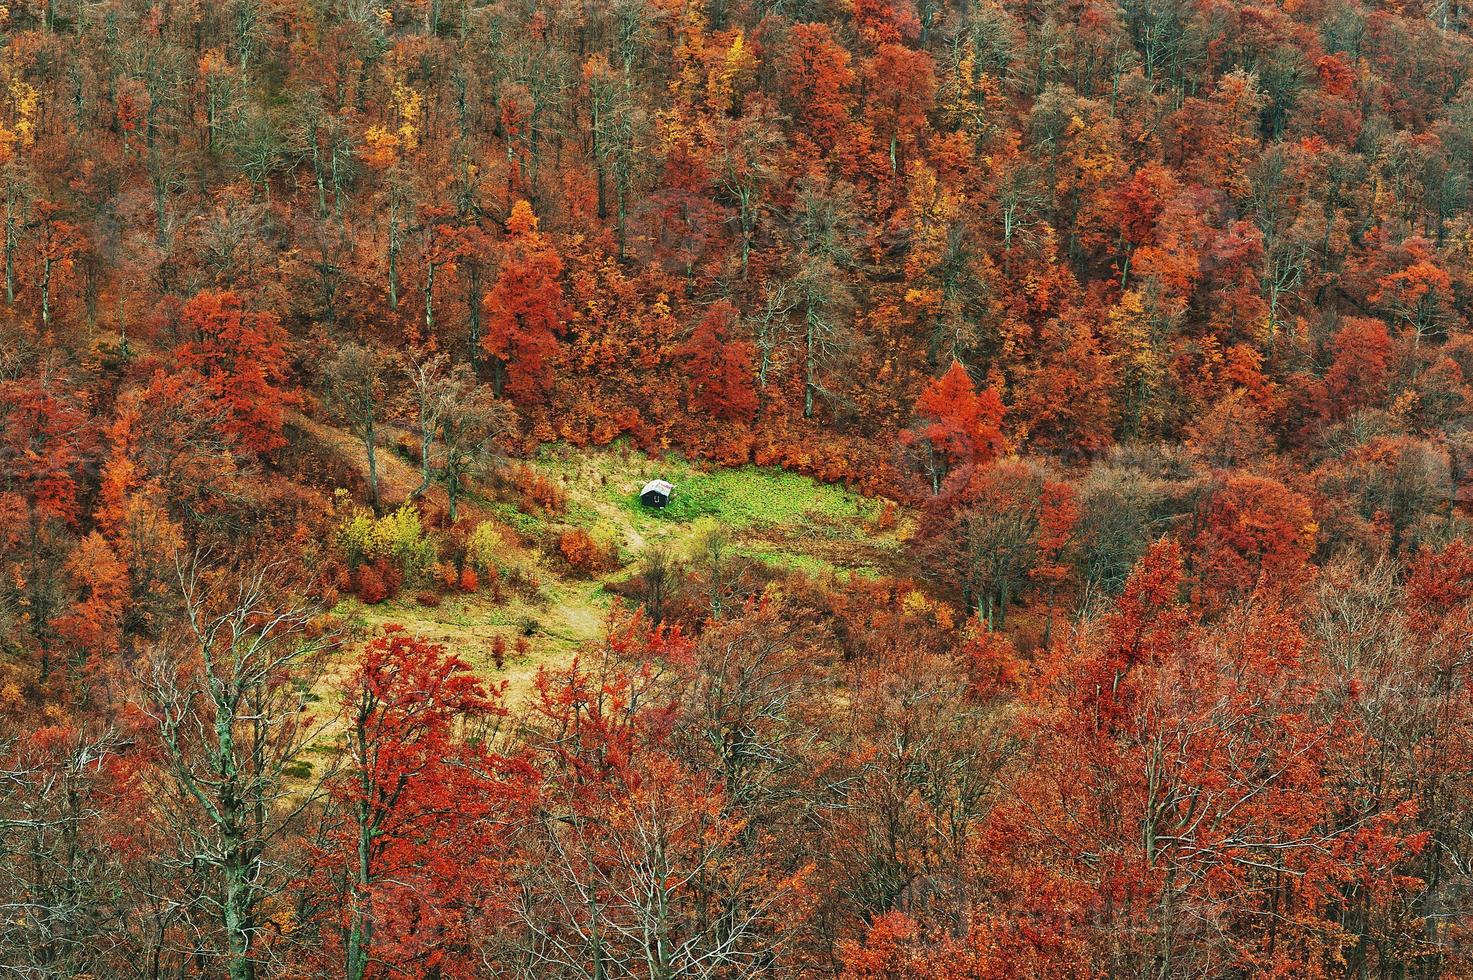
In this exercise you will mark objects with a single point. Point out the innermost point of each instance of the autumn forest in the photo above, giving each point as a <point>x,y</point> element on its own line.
<point>1068,406</point>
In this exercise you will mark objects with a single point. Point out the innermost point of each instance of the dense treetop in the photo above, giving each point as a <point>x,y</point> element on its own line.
<point>1144,325</point>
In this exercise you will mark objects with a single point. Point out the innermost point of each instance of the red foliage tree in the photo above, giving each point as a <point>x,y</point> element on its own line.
<point>903,85</point>
<point>240,357</point>
<point>1358,374</point>
<point>960,426</point>
<point>1185,771</point>
<point>819,78</point>
<point>92,626</point>
<point>526,312</point>
<point>45,435</point>
<point>428,810</point>
<point>720,367</point>
<point>1254,532</point>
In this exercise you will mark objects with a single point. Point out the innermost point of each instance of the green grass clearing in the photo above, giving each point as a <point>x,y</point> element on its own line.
<point>782,519</point>
<point>749,495</point>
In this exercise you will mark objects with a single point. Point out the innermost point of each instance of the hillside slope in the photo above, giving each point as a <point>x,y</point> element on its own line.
<point>788,522</point>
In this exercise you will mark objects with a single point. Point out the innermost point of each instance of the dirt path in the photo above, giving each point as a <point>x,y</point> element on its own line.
<point>634,541</point>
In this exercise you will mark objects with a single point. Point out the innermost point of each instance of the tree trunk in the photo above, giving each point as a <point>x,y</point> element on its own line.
<point>10,246</point>
<point>370,443</point>
<point>473,304</point>
<point>237,902</point>
<point>426,443</point>
<point>810,362</point>
<point>393,258</point>
<point>46,291</point>
<point>360,928</point>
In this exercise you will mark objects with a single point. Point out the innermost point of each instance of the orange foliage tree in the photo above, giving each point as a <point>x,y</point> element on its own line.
<point>239,356</point>
<point>526,312</point>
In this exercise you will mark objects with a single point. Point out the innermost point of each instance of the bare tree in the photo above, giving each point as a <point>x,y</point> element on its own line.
<point>228,698</point>
<point>356,391</point>
<point>430,389</point>
<point>20,199</point>
<point>821,233</point>
<point>745,166</point>
<point>57,882</point>
<point>471,429</point>
<point>712,556</point>
<point>658,582</point>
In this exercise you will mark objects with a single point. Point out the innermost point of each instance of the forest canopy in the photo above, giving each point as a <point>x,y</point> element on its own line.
<point>1068,570</point>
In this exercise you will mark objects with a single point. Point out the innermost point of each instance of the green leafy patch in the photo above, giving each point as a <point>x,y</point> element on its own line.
<point>748,495</point>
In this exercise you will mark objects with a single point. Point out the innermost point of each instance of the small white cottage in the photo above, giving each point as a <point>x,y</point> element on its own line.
<point>656,493</point>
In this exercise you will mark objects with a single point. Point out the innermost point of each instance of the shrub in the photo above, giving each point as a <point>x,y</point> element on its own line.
<point>468,581</point>
<point>536,493</point>
<point>482,548</point>
<point>397,538</point>
<point>369,585</point>
<point>546,496</point>
<point>498,651</point>
<point>428,598</point>
<point>400,537</point>
<point>355,538</point>
<point>522,578</point>
<point>330,573</point>
<point>579,550</point>
<point>389,573</point>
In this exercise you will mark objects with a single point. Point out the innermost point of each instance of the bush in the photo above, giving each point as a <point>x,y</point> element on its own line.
<point>482,548</point>
<point>498,651</point>
<point>398,538</point>
<point>580,551</point>
<point>546,496</point>
<point>521,578</point>
<point>389,573</point>
<point>468,581</point>
<point>535,493</point>
<point>429,599</point>
<point>355,538</point>
<point>369,585</point>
